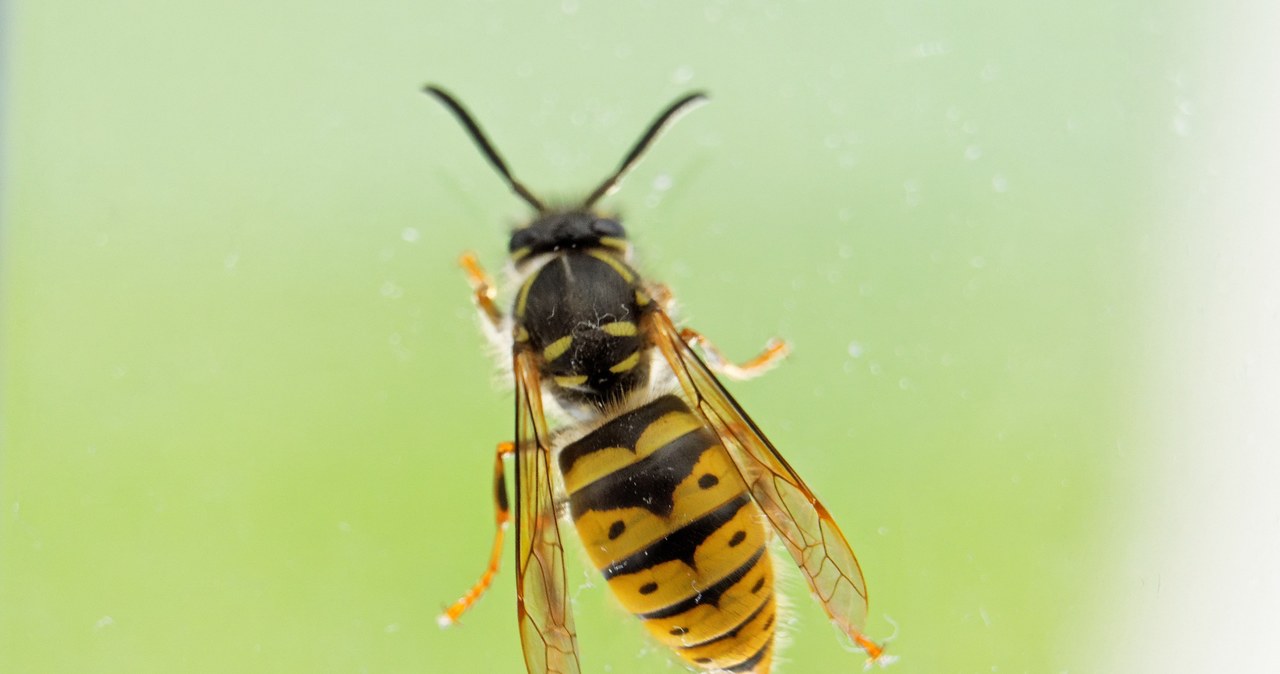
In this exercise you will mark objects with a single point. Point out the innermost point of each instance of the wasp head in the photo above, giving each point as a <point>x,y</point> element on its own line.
<point>567,230</point>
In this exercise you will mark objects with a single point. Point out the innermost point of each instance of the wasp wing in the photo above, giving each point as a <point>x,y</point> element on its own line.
<point>546,619</point>
<point>805,526</point>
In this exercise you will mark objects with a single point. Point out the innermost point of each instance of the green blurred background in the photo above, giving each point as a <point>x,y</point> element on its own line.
<point>248,418</point>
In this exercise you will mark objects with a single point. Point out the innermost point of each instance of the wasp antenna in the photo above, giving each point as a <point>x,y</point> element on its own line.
<point>482,141</point>
<point>661,122</point>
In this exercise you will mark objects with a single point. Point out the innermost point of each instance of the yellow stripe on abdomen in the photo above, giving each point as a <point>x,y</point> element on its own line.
<point>666,517</point>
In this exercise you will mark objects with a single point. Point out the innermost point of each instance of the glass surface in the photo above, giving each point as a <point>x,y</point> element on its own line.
<point>248,417</point>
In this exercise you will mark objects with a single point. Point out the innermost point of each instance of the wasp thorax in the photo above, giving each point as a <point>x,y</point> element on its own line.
<point>582,312</point>
<point>566,231</point>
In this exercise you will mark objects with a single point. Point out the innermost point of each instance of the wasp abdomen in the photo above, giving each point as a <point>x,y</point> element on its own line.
<point>580,311</point>
<point>667,519</point>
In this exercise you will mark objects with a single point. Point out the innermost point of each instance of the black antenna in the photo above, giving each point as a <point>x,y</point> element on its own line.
<point>486,147</point>
<point>664,119</point>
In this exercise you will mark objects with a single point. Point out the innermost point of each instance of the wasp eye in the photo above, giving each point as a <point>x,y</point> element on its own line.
<point>522,238</point>
<point>608,227</point>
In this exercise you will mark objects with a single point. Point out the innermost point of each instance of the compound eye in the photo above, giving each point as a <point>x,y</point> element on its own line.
<point>522,238</point>
<point>608,227</point>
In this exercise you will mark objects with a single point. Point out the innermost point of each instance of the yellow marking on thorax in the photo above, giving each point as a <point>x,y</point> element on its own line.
<point>613,262</point>
<point>642,298</point>
<point>557,348</point>
<point>522,334</point>
<point>620,328</point>
<point>626,364</point>
<point>523,298</point>
<point>571,380</point>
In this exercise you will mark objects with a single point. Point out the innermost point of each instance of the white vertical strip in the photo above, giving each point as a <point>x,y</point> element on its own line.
<point>1200,590</point>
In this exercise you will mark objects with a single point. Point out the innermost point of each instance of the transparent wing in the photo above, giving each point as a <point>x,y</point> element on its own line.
<point>546,619</point>
<point>805,526</point>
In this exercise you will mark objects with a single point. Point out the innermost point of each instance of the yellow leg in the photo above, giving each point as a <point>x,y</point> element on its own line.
<point>482,288</point>
<point>875,652</point>
<point>774,351</point>
<point>503,516</point>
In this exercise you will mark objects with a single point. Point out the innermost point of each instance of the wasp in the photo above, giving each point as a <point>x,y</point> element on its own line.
<point>623,429</point>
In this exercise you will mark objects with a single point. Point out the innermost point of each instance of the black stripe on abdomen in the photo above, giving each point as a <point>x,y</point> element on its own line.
<point>649,483</point>
<point>750,663</point>
<point>624,431</point>
<point>711,595</point>
<point>681,544</point>
<point>733,633</point>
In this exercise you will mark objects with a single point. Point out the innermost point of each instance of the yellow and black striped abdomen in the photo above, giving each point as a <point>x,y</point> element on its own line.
<point>667,519</point>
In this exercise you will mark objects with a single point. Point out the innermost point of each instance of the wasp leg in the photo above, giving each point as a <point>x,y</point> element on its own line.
<point>503,517</point>
<point>482,288</point>
<point>662,295</point>
<point>774,351</point>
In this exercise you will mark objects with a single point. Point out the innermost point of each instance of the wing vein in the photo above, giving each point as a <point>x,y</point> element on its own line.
<point>796,515</point>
